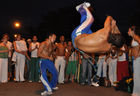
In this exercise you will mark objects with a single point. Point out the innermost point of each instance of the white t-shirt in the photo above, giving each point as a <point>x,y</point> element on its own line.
<point>123,56</point>
<point>9,46</point>
<point>73,57</point>
<point>33,45</point>
<point>21,45</point>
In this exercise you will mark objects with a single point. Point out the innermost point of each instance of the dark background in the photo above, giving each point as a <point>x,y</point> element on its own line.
<point>42,17</point>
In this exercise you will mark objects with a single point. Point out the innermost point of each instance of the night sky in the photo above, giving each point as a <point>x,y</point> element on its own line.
<point>40,17</point>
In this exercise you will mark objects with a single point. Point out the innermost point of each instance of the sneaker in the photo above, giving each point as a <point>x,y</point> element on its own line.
<point>95,84</point>
<point>82,84</point>
<point>61,82</point>
<point>30,81</point>
<point>45,93</point>
<point>4,81</point>
<point>55,88</point>
<point>87,4</point>
<point>39,81</point>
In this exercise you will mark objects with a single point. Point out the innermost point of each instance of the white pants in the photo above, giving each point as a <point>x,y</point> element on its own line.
<point>102,67</point>
<point>20,67</point>
<point>3,70</point>
<point>60,63</point>
<point>136,89</point>
<point>112,70</point>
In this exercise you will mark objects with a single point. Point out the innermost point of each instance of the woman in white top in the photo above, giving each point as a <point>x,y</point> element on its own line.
<point>20,52</point>
<point>136,65</point>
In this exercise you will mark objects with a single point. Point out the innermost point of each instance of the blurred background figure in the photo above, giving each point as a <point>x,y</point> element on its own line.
<point>34,68</point>
<point>3,60</point>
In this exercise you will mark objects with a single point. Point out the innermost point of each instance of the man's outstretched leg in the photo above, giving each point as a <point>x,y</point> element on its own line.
<point>98,42</point>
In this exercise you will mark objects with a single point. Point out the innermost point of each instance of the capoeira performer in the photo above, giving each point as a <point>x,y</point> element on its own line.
<point>20,53</point>
<point>99,42</point>
<point>136,65</point>
<point>45,52</point>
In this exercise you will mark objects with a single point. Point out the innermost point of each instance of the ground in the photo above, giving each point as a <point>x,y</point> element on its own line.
<point>34,89</point>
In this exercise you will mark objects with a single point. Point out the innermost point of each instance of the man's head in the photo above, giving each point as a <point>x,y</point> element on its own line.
<point>116,40</point>
<point>6,36</point>
<point>18,37</point>
<point>52,38</point>
<point>69,43</point>
<point>29,41</point>
<point>62,38</point>
<point>34,38</point>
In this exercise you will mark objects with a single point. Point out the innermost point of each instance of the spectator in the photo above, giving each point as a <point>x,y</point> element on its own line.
<point>34,60</point>
<point>122,64</point>
<point>135,52</point>
<point>20,53</point>
<point>72,62</point>
<point>60,61</point>
<point>3,60</point>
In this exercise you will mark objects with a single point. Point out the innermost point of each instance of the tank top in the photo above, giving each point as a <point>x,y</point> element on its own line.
<point>134,43</point>
<point>33,45</point>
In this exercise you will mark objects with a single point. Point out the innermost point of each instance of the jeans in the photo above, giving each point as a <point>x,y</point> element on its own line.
<point>86,71</point>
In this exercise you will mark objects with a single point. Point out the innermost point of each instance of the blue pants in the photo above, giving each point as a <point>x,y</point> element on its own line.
<point>83,22</point>
<point>48,65</point>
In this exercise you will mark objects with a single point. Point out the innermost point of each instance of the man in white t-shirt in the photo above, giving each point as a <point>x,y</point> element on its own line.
<point>34,65</point>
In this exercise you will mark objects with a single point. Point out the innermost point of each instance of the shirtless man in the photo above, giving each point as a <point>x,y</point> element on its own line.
<point>99,42</point>
<point>45,52</point>
<point>136,54</point>
<point>60,59</point>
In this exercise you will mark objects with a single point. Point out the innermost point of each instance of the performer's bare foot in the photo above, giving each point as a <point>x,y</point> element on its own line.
<point>114,27</point>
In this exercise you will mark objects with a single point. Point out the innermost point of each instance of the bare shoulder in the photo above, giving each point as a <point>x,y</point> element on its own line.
<point>42,44</point>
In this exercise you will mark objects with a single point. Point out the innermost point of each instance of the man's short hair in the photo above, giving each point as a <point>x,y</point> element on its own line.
<point>116,40</point>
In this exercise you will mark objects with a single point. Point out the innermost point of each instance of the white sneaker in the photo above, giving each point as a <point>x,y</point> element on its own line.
<point>95,84</point>
<point>87,4</point>
<point>45,93</point>
<point>4,81</point>
<point>39,81</point>
<point>30,81</point>
<point>55,88</point>
<point>61,82</point>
